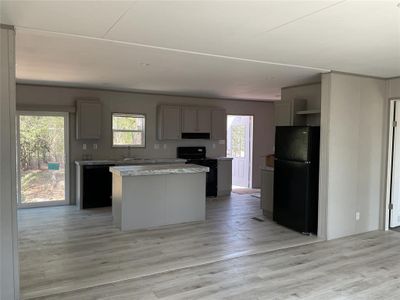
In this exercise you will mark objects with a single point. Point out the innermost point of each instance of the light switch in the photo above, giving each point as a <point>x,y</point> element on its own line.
<point>156,146</point>
<point>84,147</point>
<point>213,145</point>
<point>94,146</point>
<point>357,216</point>
<point>165,146</point>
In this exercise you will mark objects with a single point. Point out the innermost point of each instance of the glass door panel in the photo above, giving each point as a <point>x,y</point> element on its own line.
<point>239,147</point>
<point>42,163</point>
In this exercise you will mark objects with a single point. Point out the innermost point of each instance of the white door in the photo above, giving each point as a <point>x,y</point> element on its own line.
<point>395,188</point>
<point>42,156</point>
<point>239,147</point>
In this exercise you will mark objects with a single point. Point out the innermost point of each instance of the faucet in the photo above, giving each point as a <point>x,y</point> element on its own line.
<point>129,152</point>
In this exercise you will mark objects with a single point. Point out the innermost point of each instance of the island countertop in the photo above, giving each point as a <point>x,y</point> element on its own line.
<point>144,170</point>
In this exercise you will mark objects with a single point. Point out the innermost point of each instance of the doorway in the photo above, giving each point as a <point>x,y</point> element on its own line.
<point>394,166</point>
<point>240,148</point>
<point>42,159</point>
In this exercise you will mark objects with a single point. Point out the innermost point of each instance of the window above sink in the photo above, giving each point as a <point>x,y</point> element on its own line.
<point>128,130</point>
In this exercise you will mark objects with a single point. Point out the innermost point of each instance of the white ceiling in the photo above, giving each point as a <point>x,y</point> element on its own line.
<point>224,49</point>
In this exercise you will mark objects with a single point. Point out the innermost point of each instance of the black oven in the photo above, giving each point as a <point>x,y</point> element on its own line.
<point>197,156</point>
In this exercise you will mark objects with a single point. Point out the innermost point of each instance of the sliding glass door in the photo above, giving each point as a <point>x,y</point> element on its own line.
<point>42,158</point>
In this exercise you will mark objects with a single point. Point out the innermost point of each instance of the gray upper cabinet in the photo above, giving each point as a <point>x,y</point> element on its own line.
<point>196,119</point>
<point>173,120</point>
<point>283,115</point>
<point>218,124</point>
<point>189,119</point>
<point>286,112</point>
<point>88,119</point>
<point>169,122</point>
<point>203,120</point>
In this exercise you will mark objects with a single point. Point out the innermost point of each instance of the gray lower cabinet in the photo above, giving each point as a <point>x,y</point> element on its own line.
<point>141,202</point>
<point>169,122</point>
<point>267,191</point>
<point>88,119</point>
<point>224,177</point>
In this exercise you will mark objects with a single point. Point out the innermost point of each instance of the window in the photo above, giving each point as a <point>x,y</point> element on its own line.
<point>128,130</point>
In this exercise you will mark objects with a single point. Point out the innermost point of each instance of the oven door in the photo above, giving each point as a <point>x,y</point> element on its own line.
<point>211,176</point>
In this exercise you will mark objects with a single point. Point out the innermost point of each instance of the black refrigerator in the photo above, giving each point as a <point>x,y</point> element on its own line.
<point>296,177</point>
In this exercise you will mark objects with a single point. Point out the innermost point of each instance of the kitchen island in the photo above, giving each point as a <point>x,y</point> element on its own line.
<point>94,180</point>
<point>149,196</point>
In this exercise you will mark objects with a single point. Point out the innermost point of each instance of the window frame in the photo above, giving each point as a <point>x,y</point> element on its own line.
<point>118,114</point>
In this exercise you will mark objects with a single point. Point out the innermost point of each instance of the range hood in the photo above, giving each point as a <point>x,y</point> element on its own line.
<point>195,135</point>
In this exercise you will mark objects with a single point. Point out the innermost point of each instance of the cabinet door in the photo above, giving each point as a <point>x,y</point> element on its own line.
<point>283,113</point>
<point>267,191</point>
<point>170,122</point>
<point>88,119</point>
<point>218,124</point>
<point>224,177</point>
<point>189,119</point>
<point>297,105</point>
<point>203,120</point>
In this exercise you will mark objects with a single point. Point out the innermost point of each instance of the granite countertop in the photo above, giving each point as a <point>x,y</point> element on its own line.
<point>133,161</point>
<point>158,169</point>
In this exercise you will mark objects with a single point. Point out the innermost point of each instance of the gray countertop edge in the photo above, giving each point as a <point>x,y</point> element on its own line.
<point>265,168</point>
<point>144,170</point>
<point>129,162</point>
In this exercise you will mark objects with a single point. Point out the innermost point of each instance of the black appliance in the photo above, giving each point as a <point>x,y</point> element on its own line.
<point>296,177</point>
<point>197,156</point>
<point>97,186</point>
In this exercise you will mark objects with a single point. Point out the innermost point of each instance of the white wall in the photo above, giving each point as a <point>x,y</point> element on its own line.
<point>324,154</point>
<point>147,103</point>
<point>8,225</point>
<point>352,126</point>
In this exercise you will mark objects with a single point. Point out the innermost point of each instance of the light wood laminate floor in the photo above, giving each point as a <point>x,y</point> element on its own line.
<point>63,249</point>
<point>70,254</point>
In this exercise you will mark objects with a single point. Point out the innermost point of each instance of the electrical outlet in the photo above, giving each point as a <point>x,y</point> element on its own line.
<point>357,215</point>
<point>84,147</point>
<point>156,146</point>
<point>221,142</point>
<point>94,146</point>
<point>213,145</point>
<point>165,146</point>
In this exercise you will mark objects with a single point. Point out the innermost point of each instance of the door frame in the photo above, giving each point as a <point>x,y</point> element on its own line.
<point>389,169</point>
<point>66,201</point>
<point>251,143</point>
